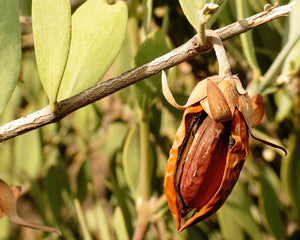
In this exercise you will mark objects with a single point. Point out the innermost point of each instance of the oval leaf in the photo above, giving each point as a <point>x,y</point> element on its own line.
<point>131,160</point>
<point>57,182</point>
<point>119,225</point>
<point>98,30</point>
<point>238,204</point>
<point>290,171</point>
<point>51,23</point>
<point>10,49</point>
<point>292,62</point>
<point>269,203</point>
<point>190,10</point>
<point>156,44</point>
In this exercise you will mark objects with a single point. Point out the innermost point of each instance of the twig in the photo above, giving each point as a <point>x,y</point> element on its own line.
<point>103,89</point>
<point>204,16</point>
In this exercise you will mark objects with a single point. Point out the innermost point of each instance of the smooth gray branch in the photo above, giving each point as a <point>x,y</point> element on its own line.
<point>183,53</point>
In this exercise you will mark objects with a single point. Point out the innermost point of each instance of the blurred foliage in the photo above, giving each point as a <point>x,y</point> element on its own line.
<point>86,173</point>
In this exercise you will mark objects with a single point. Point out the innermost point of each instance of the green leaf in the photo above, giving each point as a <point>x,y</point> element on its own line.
<point>5,228</point>
<point>269,203</point>
<point>115,136</point>
<point>127,206</point>
<point>239,205</point>
<point>31,84</point>
<point>284,104</point>
<point>10,49</point>
<point>87,120</point>
<point>229,228</point>
<point>247,40</point>
<point>156,44</point>
<point>57,181</point>
<point>28,154</point>
<point>97,220</point>
<point>83,179</point>
<point>190,10</point>
<point>51,25</point>
<point>292,62</point>
<point>119,225</point>
<point>98,30</point>
<point>290,171</point>
<point>131,160</point>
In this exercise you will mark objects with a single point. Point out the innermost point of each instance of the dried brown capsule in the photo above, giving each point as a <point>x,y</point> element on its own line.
<point>211,144</point>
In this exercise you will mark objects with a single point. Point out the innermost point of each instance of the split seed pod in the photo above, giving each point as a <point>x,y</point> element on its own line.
<point>211,143</point>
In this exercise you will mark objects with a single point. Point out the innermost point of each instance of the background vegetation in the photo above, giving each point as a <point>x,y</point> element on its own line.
<point>99,171</point>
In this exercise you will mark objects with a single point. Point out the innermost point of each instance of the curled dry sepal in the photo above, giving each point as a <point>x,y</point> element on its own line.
<point>8,206</point>
<point>211,143</point>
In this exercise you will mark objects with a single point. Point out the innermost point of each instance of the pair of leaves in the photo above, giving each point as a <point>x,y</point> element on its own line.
<point>73,53</point>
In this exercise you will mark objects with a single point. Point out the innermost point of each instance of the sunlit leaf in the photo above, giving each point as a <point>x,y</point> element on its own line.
<point>98,220</point>
<point>191,7</point>
<point>10,49</point>
<point>103,221</point>
<point>119,225</point>
<point>98,30</point>
<point>4,228</point>
<point>51,23</point>
<point>284,104</point>
<point>28,153</point>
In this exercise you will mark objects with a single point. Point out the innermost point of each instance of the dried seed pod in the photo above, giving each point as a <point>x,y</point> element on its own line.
<point>211,143</point>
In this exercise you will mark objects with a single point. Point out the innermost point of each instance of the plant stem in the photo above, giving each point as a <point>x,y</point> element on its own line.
<point>145,168</point>
<point>140,229</point>
<point>224,66</point>
<point>203,18</point>
<point>183,53</point>
<point>145,181</point>
<point>202,35</point>
<point>275,67</point>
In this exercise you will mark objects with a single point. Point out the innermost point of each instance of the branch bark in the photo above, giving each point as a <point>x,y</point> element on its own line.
<point>183,53</point>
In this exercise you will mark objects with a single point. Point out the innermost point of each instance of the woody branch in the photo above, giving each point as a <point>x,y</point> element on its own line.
<point>183,53</point>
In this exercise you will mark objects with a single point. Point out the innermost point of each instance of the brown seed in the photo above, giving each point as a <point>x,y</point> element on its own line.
<point>204,165</point>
